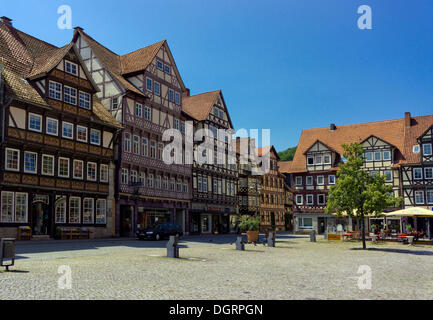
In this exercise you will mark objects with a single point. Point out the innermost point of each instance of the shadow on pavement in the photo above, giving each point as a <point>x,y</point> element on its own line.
<point>406,251</point>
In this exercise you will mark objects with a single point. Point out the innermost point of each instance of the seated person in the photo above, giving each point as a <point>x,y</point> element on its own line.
<point>421,234</point>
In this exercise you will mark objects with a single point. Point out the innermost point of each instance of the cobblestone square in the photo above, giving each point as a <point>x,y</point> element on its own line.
<point>210,268</point>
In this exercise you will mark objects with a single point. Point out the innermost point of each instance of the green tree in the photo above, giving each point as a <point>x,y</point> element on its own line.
<point>287,155</point>
<point>357,193</point>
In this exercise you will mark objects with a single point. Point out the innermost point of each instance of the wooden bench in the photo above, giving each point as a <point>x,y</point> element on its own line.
<point>75,233</point>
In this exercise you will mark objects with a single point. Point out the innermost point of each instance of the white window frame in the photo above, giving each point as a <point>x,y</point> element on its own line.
<point>124,173</point>
<point>329,179</point>
<point>415,196</point>
<point>367,154</point>
<point>156,84</point>
<point>136,144</point>
<point>386,152</point>
<point>318,199</point>
<point>36,162</point>
<point>86,99</point>
<point>425,173</point>
<point>318,157</point>
<point>26,207</point>
<point>8,194</point>
<point>57,126</point>
<point>104,208</point>
<point>96,171</point>
<point>71,89</point>
<point>428,197</point>
<point>92,208</point>
<point>308,158</point>
<point>392,175</point>
<point>82,169</point>
<point>60,92</point>
<point>144,147</point>
<point>40,122</point>
<point>87,133</point>
<point>58,167</point>
<point>47,156</point>
<point>18,159</point>
<point>151,84</point>
<point>99,137</point>
<point>309,203</point>
<point>147,113</point>
<point>414,175</point>
<point>60,205</point>
<point>63,130</point>
<point>171,95</point>
<point>377,153</point>
<point>423,149</point>
<point>297,180</point>
<point>79,210</point>
<point>127,142</point>
<point>134,176</point>
<point>308,178</point>
<point>177,99</point>
<point>138,111</point>
<point>105,167</point>
<point>67,62</point>
<point>323,180</point>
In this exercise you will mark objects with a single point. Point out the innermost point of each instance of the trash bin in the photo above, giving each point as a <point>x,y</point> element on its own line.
<point>7,252</point>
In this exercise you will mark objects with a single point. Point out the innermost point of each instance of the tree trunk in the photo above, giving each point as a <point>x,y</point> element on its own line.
<point>364,246</point>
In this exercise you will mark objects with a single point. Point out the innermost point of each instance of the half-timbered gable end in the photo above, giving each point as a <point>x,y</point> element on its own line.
<point>58,140</point>
<point>320,157</point>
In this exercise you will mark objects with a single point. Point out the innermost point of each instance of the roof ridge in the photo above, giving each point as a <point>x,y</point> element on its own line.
<point>93,39</point>
<point>33,37</point>
<point>198,94</point>
<point>123,55</point>
<point>356,124</point>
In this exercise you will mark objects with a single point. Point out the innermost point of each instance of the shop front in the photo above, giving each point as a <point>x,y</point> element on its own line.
<point>212,219</point>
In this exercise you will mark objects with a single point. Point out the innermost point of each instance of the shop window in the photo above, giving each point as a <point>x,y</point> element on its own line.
<point>101,211</point>
<point>88,210</point>
<point>60,211</point>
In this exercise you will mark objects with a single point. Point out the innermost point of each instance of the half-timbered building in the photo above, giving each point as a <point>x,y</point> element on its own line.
<point>213,208</point>
<point>56,140</point>
<point>143,91</point>
<point>272,193</point>
<point>386,152</point>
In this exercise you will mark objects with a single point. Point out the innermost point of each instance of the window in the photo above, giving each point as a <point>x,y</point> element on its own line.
<point>7,206</point>
<point>74,210</point>
<point>388,175</point>
<point>138,110</point>
<point>30,162</point>
<point>387,155</point>
<point>47,165</point>
<point>298,181</point>
<point>165,183</point>
<point>417,173</point>
<point>428,173</point>
<point>71,68</point>
<point>167,69</point>
<point>52,126</point>
<point>35,122</point>
<point>149,84</point>
<point>88,210</point>
<point>134,176</point>
<point>176,124</point>
<point>327,159</point>
<point>368,156</point>
<point>55,90</point>
<point>125,176</point>
<point>204,184</point>
<point>310,199</point>
<point>152,149</point>
<point>101,211</point>
<point>426,149</point>
<point>143,179</point>
<point>147,113</point>
<point>172,182</point>
<point>430,196</point>
<point>67,130</point>
<point>309,181</point>
<point>95,137</point>
<point>12,159</point>
<point>185,186</point>
<point>158,182</point>
<point>127,142</point>
<point>157,88</point>
<point>21,202</point>
<point>318,159</point>
<point>63,170</point>
<point>419,197</point>
<point>321,199</point>
<point>177,98</point>
<point>136,144</point>
<point>91,171</point>
<point>320,180</point>
<point>331,179</point>
<point>150,180</point>
<point>159,64</point>
<point>144,147</point>
<point>60,209</point>
<point>416,149</point>
<point>84,100</point>
<point>81,133</point>
<point>70,95</point>
<point>182,127</point>
<point>310,161</point>
<point>305,222</point>
<point>114,103</point>
<point>160,150</point>
<point>78,168</point>
<point>171,95</point>
<point>179,185</point>
<point>103,173</point>
<point>377,156</point>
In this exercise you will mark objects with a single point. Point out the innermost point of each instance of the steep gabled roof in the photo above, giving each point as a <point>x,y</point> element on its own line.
<point>285,166</point>
<point>24,56</point>
<point>140,59</point>
<point>265,150</point>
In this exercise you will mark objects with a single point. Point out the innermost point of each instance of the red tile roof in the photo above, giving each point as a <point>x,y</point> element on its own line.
<point>200,105</point>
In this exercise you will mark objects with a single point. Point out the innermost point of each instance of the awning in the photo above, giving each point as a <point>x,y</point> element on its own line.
<point>411,212</point>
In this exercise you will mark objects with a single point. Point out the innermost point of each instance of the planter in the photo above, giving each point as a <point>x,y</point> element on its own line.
<point>253,236</point>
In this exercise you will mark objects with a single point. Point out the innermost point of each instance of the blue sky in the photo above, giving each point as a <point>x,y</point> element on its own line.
<point>284,65</point>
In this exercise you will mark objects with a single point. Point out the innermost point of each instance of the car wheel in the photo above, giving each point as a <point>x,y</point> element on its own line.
<point>157,237</point>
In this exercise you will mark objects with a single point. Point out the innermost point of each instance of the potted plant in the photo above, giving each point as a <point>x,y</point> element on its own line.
<point>251,225</point>
<point>373,228</point>
<point>58,234</point>
<point>408,228</point>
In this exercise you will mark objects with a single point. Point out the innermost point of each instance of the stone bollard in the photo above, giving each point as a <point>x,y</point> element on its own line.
<point>172,247</point>
<point>313,236</point>
<point>240,244</point>
<point>271,240</point>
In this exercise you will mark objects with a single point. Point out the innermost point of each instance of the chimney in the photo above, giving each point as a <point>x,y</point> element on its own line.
<point>332,127</point>
<point>6,21</point>
<point>407,119</point>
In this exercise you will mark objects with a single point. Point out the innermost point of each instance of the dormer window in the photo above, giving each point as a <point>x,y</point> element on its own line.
<point>318,159</point>
<point>70,95</point>
<point>71,68</point>
<point>85,100</point>
<point>416,149</point>
<point>327,159</point>
<point>55,90</point>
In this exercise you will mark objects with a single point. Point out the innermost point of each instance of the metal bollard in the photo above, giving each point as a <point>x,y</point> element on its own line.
<point>271,240</point>
<point>313,236</point>
<point>240,244</point>
<point>172,247</point>
<point>7,252</point>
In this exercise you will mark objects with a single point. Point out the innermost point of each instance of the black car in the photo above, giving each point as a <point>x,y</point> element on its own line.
<point>160,231</point>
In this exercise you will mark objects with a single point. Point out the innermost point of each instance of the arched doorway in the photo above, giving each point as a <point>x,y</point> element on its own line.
<point>41,219</point>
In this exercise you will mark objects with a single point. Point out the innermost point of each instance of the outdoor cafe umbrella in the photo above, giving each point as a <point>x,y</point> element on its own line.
<point>413,212</point>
